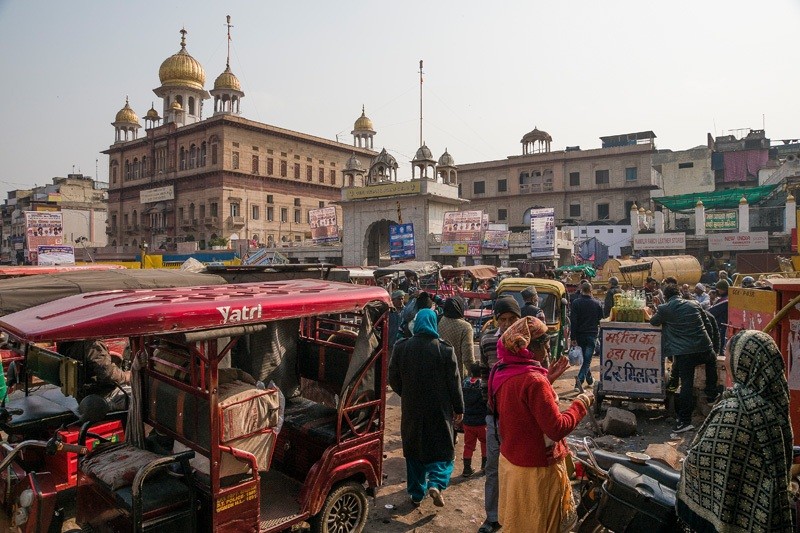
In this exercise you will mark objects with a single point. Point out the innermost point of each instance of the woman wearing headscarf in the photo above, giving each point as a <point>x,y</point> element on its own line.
<point>535,491</point>
<point>458,332</point>
<point>424,373</point>
<point>736,474</point>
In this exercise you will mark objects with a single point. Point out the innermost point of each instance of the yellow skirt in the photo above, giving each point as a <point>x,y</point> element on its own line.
<point>535,498</point>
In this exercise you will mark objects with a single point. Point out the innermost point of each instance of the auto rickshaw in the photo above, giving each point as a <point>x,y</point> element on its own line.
<point>267,402</point>
<point>426,272</point>
<point>552,300</point>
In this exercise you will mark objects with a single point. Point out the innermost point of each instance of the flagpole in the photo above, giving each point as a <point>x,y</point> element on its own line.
<point>420,102</point>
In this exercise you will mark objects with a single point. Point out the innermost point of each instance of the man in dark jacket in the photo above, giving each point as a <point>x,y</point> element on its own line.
<point>613,288</point>
<point>584,316</point>
<point>685,336</point>
<point>531,307</point>
<point>423,372</point>
<point>720,312</point>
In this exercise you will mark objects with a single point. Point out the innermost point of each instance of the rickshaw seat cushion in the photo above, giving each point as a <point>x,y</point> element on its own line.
<point>40,411</point>
<point>159,491</point>
<point>310,418</point>
<point>116,466</point>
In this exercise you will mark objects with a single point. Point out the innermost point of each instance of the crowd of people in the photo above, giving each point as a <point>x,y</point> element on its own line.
<point>506,406</point>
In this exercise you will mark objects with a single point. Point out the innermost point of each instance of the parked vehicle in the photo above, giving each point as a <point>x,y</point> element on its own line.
<point>552,300</point>
<point>474,281</point>
<point>211,368</point>
<point>427,272</point>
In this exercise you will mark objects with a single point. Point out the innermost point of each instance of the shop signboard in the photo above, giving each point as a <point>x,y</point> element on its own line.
<point>55,255</point>
<point>659,241</point>
<point>401,241</point>
<point>461,232</point>
<point>324,225</point>
<point>724,242</point>
<point>42,228</point>
<point>543,233</point>
<point>159,194</point>
<point>495,239</point>
<point>750,308</point>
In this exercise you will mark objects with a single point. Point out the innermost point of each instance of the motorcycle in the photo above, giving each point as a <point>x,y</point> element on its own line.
<point>623,493</point>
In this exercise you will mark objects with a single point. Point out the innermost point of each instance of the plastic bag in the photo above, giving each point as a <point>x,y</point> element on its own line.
<point>575,355</point>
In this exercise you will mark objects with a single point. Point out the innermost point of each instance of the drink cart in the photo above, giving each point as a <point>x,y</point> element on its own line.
<point>631,365</point>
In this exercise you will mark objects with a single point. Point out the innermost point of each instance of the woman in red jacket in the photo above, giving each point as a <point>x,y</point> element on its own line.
<point>535,492</point>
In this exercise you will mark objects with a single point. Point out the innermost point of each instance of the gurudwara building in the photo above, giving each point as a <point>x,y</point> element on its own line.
<point>192,177</point>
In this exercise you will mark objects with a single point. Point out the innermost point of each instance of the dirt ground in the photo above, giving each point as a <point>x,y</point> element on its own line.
<point>463,512</point>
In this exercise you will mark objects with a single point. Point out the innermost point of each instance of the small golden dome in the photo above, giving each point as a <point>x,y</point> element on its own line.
<point>699,203</point>
<point>649,213</point>
<point>126,114</point>
<point>176,106</point>
<point>634,207</point>
<point>152,114</point>
<point>363,122</point>
<point>743,201</point>
<point>790,198</point>
<point>182,70</point>
<point>641,210</point>
<point>227,80</point>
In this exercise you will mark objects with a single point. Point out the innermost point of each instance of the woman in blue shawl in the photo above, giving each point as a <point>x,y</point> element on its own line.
<point>736,474</point>
<point>423,371</point>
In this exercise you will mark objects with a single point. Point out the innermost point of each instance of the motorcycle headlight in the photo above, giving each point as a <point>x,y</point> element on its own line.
<point>26,498</point>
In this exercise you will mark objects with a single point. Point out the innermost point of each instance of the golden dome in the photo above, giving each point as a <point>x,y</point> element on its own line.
<point>182,70</point>
<point>227,80</point>
<point>743,201</point>
<point>152,114</point>
<point>641,210</point>
<point>126,114</point>
<point>363,122</point>
<point>176,106</point>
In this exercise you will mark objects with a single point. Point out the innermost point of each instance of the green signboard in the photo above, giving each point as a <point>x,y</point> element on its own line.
<point>722,221</point>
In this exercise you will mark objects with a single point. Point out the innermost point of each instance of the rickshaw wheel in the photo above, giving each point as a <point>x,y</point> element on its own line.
<point>345,510</point>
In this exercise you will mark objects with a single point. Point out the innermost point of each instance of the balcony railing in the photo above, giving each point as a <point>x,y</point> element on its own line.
<point>211,221</point>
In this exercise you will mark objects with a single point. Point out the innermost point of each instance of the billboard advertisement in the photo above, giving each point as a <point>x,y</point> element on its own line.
<point>42,228</point>
<point>543,233</point>
<point>401,241</point>
<point>462,232</point>
<point>324,226</point>
<point>495,239</point>
<point>55,255</point>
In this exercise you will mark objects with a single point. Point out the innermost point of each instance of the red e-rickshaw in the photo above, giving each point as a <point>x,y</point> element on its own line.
<point>272,396</point>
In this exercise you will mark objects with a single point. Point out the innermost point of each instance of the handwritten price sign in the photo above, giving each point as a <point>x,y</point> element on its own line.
<point>630,360</point>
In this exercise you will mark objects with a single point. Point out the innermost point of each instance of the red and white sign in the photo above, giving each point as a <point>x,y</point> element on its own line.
<point>659,241</point>
<point>757,240</point>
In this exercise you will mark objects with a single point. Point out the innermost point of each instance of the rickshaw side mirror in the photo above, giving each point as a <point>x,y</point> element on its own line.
<point>564,302</point>
<point>93,408</point>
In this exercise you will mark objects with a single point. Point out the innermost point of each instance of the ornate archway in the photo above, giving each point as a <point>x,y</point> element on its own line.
<point>376,242</point>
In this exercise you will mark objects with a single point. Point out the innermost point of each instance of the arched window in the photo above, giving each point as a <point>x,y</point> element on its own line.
<point>203,154</point>
<point>179,99</point>
<point>127,169</point>
<point>134,219</point>
<point>191,211</point>
<point>136,168</point>
<point>182,158</point>
<point>192,156</point>
<point>191,105</point>
<point>144,166</point>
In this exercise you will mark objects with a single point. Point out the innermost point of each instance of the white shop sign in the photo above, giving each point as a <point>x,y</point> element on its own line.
<point>757,240</point>
<point>660,241</point>
<point>630,359</point>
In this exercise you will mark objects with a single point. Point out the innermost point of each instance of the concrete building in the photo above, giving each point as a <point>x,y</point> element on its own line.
<point>223,177</point>
<point>82,201</point>
<point>583,186</point>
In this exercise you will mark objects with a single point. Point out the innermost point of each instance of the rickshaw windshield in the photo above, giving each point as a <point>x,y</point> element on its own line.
<point>547,303</point>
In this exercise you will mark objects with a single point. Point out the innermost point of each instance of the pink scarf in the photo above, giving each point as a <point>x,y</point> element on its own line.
<point>513,364</point>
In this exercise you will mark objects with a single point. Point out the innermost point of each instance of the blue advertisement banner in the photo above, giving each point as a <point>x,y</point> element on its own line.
<point>401,241</point>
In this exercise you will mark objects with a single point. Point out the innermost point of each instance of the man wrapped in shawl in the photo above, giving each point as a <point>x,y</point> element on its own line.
<point>458,332</point>
<point>736,475</point>
<point>535,491</point>
<point>423,372</point>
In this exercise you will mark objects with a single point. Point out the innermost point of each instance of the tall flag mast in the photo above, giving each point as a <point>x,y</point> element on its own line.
<point>420,102</point>
<point>229,25</point>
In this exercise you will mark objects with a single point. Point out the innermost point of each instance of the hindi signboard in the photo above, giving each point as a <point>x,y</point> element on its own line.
<point>727,220</point>
<point>55,255</point>
<point>750,308</point>
<point>324,225</point>
<point>401,241</point>
<point>659,241</point>
<point>756,240</point>
<point>630,359</point>
<point>461,233</point>
<point>42,229</point>
<point>381,190</point>
<point>543,233</point>
<point>495,239</point>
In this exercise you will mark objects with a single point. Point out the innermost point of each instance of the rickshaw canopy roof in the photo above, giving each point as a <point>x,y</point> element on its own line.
<point>21,293</point>
<point>476,272</point>
<point>35,270</point>
<point>123,313</point>
<point>541,284</point>
<point>420,268</point>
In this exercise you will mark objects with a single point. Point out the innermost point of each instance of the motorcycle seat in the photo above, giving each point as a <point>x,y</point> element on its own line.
<point>661,473</point>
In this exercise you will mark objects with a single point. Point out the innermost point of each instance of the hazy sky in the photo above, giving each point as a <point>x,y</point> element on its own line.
<point>493,71</point>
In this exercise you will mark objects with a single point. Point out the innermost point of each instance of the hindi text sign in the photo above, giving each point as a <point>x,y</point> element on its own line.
<point>324,225</point>
<point>543,233</point>
<point>630,360</point>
